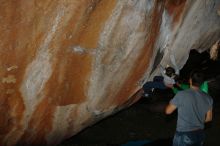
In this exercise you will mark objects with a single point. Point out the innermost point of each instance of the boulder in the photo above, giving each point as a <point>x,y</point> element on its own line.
<point>65,65</point>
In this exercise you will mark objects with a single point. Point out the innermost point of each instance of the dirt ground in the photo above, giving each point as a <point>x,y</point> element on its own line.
<point>145,120</point>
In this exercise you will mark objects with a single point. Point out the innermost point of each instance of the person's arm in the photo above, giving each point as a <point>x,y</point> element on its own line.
<point>208,117</point>
<point>170,109</point>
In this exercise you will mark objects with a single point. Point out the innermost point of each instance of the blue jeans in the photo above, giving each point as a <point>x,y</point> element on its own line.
<point>193,138</point>
<point>157,83</point>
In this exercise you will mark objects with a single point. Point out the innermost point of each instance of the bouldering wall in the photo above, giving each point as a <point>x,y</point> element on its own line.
<point>67,64</point>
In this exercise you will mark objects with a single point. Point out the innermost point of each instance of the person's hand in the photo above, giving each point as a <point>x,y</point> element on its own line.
<point>170,86</point>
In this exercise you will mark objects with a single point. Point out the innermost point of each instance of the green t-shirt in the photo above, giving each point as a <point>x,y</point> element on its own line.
<point>204,87</point>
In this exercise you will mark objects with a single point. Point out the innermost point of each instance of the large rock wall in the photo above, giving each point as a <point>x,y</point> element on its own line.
<point>66,64</point>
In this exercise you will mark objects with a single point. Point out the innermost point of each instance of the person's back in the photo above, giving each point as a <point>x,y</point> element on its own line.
<point>194,109</point>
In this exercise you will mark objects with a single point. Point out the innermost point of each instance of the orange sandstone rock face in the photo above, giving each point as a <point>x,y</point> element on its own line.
<point>67,64</point>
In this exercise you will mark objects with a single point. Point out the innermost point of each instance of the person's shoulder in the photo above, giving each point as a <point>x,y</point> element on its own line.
<point>206,95</point>
<point>185,91</point>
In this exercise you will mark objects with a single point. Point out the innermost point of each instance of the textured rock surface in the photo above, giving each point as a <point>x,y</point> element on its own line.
<point>67,64</point>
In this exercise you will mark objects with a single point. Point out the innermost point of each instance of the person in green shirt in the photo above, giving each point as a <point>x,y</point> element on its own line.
<point>182,86</point>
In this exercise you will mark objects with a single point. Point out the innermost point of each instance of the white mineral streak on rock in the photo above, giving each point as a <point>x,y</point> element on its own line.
<point>12,68</point>
<point>165,32</point>
<point>126,20</point>
<point>163,42</point>
<point>69,120</point>
<point>9,79</point>
<point>80,50</point>
<point>60,124</point>
<point>38,72</point>
<point>97,70</point>
<point>84,118</point>
<point>198,30</point>
<point>150,4</point>
<point>120,43</point>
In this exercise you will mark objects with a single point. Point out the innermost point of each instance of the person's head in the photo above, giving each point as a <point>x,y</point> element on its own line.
<point>196,78</point>
<point>169,71</point>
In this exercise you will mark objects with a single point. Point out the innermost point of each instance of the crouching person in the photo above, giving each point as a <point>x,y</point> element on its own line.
<point>167,80</point>
<point>194,110</point>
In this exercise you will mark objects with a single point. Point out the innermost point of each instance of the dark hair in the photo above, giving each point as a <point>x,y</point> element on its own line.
<point>197,78</point>
<point>170,71</point>
<point>176,78</point>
